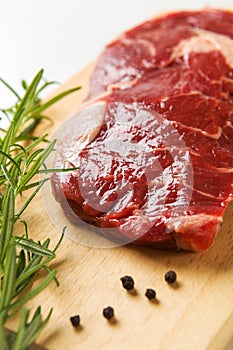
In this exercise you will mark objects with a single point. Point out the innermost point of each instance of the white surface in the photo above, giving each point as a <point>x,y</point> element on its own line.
<point>64,36</point>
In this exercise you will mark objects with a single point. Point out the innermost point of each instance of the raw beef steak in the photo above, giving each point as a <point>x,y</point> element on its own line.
<point>154,142</point>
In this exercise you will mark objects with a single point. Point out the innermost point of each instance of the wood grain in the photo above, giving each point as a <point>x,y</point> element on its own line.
<point>195,314</point>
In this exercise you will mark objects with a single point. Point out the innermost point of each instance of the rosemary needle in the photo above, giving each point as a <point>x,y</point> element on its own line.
<point>22,154</point>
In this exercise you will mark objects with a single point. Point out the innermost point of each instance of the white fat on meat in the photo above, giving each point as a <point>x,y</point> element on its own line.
<point>205,41</point>
<point>76,133</point>
<point>182,225</point>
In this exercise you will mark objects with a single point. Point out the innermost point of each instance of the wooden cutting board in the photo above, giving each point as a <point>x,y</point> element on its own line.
<point>197,314</point>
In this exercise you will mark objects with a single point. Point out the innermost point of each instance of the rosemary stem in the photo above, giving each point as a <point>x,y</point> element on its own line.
<point>3,338</point>
<point>21,157</point>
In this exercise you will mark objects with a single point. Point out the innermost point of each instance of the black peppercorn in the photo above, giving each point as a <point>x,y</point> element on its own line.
<point>150,294</point>
<point>108,312</point>
<point>127,282</point>
<point>170,276</point>
<point>75,321</point>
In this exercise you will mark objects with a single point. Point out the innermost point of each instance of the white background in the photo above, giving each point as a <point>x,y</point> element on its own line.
<point>65,35</point>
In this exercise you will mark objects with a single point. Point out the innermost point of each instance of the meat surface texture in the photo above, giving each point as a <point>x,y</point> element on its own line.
<point>155,156</point>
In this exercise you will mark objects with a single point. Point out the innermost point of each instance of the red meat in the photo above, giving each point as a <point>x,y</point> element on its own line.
<point>157,166</point>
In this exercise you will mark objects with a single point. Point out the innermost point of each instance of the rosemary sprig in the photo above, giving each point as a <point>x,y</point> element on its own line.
<point>22,154</point>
